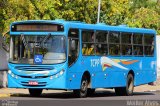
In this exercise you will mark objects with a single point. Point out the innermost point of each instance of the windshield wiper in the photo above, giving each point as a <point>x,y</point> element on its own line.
<point>45,38</point>
<point>24,41</point>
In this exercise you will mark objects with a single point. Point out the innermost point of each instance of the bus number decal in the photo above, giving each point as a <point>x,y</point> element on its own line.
<point>95,62</point>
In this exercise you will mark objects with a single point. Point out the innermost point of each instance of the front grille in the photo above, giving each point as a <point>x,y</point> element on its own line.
<point>35,77</point>
<point>25,76</point>
<point>41,77</point>
<point>34,68</point>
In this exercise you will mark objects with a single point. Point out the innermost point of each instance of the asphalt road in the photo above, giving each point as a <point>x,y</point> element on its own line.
<point>100,98</point>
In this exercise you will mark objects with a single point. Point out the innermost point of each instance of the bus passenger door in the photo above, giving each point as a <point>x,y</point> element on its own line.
<point>73,46</point>
<point>73,78</point>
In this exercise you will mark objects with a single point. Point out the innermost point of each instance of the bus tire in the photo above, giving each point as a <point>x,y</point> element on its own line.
<point>128,90</point>
<point>82,92</point>
<point>35,92</point>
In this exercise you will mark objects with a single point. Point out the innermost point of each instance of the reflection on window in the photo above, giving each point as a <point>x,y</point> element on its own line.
<point>148,39</point>
<point>114,37</point>
<point>73,33</point>
<point>149,50</point>
<point>126,38</point>
<point>52,48</point>
<point>73,51</point>
<point>87,36</point>
<point>116,43</point>
<point>137,38</point>
<point>114,49</point>
<point>101,37</point>
<point>88,40</point>
<point>101,49</point>
<point>137,50</point>
<point>73,40</point>
<point>126,49</point>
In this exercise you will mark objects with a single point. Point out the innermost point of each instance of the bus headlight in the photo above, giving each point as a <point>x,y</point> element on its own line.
<point>58,74</point>
<point>13,75</point>
<point>9,72</point>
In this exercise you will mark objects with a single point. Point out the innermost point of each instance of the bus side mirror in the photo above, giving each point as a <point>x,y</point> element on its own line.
<point>73,45</point>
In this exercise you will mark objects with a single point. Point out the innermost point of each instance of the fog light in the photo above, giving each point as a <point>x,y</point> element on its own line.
<point>51,77</point>
<point>61,72</point>
<point>12,74</point>
<point>16,76</point>
<point>56,76</point>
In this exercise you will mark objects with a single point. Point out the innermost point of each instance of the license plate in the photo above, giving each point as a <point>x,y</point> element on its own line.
<point>33,83</point>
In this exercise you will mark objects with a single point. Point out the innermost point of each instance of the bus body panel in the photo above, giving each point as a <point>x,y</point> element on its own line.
<point>113,76</point>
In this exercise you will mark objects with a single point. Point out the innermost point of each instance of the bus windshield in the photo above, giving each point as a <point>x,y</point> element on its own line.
<point>24,48</point>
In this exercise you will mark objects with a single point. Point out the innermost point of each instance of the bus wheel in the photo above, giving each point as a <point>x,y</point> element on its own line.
<point>128,90</point>
<point>35,92</point>
<point>90,92</point>
<point>82,92</point>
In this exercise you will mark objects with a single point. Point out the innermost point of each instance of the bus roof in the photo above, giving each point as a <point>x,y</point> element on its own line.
<point>82,25</point>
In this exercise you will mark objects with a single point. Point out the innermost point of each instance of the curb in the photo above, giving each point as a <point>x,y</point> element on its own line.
<point>152,91</point>
<point>11,95</point>
<point>17,95</point>
<point>5,95</point>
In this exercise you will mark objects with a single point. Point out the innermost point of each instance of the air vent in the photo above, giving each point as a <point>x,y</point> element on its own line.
<point>36,77</point>
<point>34,68</point>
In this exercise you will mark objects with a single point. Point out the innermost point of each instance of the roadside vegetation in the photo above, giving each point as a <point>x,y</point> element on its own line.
<point>134,13</point>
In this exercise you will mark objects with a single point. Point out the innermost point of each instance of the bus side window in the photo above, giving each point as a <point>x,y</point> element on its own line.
<point>138,44</point>
<point>88,47</point>
<point>101,47</point>
<point>126,43</point>
<point>148,45</point>
<point>114,43</point>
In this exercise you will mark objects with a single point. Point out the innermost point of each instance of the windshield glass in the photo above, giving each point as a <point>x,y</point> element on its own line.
<point>49,49</point>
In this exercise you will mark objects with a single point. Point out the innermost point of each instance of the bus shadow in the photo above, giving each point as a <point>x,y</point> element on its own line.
<point>70,95</point>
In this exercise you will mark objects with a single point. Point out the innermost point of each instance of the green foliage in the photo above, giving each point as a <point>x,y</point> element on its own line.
<point>135,13</point>
<point>146,18</point>
<point>145,13</point>
<point>81,10</point>
<point>114,12</point>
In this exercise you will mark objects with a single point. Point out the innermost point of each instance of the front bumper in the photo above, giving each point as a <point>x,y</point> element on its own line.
<point>43,83</point>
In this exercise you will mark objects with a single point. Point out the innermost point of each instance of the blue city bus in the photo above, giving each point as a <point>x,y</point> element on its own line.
<point>73,55</point>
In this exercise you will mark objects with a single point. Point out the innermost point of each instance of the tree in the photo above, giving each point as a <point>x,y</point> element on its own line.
<point>146,18</point>
<point>114,12</point>
<point>81,10</point>
<point>145,14</point>
<point>15,10</point>
<point>46,9</point>
<point>135,13</point>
